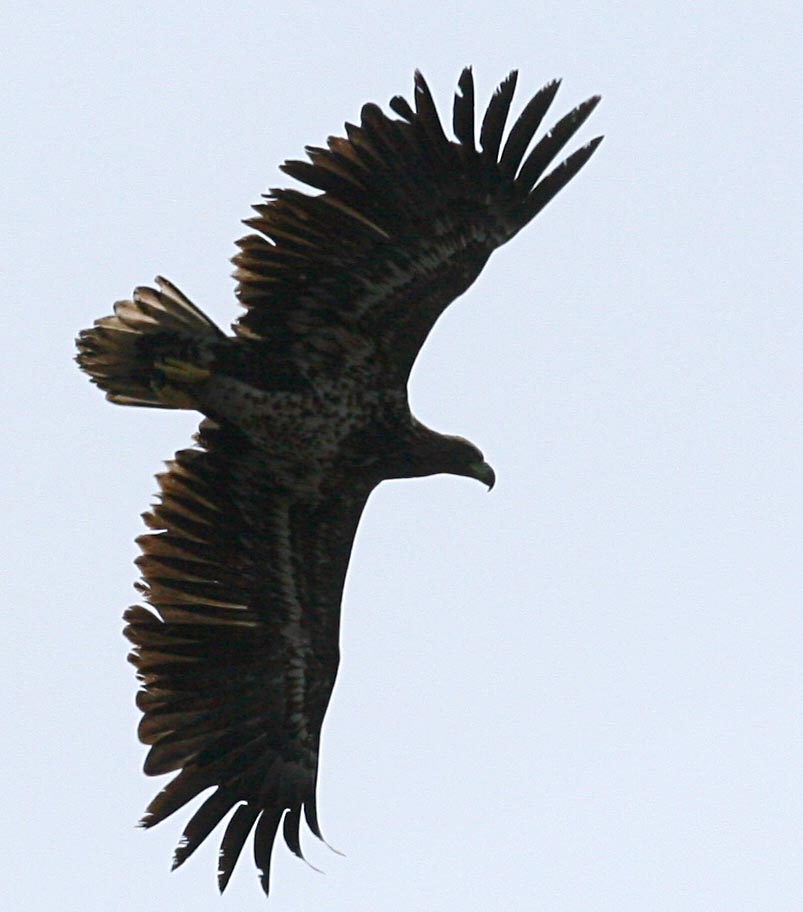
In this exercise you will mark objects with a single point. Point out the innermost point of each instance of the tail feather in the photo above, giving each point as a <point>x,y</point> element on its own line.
<point>112,351</point>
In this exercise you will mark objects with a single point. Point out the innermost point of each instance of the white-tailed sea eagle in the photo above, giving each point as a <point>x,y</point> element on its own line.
<point>306,413</point>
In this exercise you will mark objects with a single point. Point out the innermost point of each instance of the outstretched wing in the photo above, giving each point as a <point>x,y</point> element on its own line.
<point>239,651</point>
<point>405,223</point>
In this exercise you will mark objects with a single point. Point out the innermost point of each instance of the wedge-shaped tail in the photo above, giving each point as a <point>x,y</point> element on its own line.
<point>118,351</point>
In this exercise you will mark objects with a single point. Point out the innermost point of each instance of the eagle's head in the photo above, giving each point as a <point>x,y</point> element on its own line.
<point>431,453</point>
<point>464,458</point>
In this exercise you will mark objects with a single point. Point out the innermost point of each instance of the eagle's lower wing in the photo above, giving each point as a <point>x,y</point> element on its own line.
<point>239,653</point>
<point>405,223</point>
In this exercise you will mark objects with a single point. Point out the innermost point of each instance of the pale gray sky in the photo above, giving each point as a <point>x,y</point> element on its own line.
<point>581,693</point>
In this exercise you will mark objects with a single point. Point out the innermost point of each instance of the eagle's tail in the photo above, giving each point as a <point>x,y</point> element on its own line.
<point>120,352</point>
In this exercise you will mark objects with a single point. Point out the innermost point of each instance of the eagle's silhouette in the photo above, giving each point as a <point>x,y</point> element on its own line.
<point>306,413</point>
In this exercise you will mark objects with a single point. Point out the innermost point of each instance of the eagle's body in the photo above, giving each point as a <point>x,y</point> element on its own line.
<point>305,431</point>
<point>306,413</point>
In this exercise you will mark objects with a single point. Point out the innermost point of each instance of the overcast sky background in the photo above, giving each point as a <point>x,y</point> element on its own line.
<point>581,693</point>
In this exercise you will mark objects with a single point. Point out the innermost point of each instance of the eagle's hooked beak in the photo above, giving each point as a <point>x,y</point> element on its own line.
<point>483,472</point>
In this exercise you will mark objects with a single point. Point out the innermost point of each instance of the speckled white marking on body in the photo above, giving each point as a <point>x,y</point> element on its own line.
<point>301,434</point>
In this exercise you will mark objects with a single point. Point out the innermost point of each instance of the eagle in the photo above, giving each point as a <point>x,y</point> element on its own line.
<point>305,412</point>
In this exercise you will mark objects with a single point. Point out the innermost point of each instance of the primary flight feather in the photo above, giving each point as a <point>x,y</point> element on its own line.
<point>306,413</point>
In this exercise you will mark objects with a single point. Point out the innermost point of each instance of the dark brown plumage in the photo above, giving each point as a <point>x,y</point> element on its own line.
<point>306,412</point>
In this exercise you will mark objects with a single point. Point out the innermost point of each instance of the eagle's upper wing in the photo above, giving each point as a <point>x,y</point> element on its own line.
<point>405,223</point>
<point>239,653</point>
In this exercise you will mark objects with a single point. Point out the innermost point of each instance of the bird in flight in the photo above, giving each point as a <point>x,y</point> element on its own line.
<point>306,412</point>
